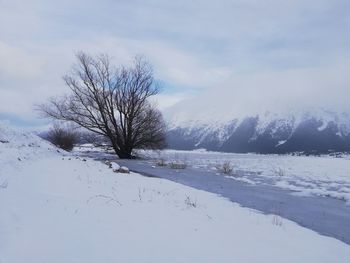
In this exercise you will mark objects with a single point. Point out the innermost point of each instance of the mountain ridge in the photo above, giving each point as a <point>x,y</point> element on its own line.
<point>326,131</point>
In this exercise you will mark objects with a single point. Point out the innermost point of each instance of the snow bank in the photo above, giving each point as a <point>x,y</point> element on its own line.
<point>58,208</point>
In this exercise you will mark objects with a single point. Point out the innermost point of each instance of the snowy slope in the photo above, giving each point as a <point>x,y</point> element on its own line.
<point>59,208</point>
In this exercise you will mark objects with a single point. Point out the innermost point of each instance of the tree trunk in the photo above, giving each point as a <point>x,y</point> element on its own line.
<point>122,153</point>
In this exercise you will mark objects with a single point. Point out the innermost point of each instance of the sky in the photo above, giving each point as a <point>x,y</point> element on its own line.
<point>213,58</point>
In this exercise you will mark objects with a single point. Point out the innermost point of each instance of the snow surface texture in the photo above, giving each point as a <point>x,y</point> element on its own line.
<point>324,176</point>
<point>59,208</point>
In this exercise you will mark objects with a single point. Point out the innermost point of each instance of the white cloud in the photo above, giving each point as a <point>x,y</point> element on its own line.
<point>40,75</point>
<point>237,51</point>
<point>19,63</point>
<point>278,92</point>
<point>165,101</point>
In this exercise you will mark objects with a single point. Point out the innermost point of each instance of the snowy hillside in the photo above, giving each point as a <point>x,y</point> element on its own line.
<point>56,207</point>
<point>313,130</point>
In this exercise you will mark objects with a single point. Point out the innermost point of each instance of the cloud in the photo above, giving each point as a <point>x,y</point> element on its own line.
<point>281,93</point>
<point>18,63</point>
<point>165,101</point>
<point>237,53</point>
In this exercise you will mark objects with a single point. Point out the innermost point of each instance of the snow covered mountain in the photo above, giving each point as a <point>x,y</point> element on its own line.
<point>314,130</point>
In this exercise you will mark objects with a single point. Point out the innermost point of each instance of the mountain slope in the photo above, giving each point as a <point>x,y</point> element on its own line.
<point>317,131</point>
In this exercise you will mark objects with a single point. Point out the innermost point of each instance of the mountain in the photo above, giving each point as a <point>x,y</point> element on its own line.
<point>313,131</point>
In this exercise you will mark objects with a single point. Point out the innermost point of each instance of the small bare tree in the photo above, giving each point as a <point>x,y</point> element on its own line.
<point>113,102</point>
<point>63,137</point>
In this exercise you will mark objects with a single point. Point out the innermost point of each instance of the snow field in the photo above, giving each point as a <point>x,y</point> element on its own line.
<point>60,208</point>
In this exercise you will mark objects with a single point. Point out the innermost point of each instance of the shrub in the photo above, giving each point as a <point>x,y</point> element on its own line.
<point>161,162</point>
<point>226,167</point>
<point>277,220</point>
<point>190,203</point>
<point>62,137</point>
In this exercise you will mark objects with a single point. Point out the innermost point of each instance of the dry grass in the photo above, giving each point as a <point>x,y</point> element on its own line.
<point>226,167</point>
<point>279,172</point>
<point>177,165</point>
<point>161,162</point>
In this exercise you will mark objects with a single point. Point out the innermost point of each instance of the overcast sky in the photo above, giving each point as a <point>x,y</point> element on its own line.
<point>212,55</point>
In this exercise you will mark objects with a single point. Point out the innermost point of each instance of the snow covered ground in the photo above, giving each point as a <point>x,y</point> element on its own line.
<point>308,175</point>
<point>56,207</point>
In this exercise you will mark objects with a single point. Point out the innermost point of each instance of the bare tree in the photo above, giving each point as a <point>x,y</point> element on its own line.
<point>63,137</point>
<point>113,102</point>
